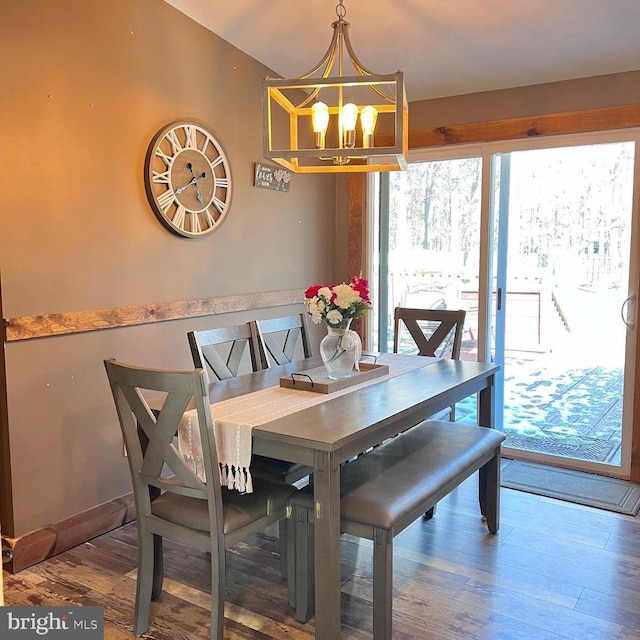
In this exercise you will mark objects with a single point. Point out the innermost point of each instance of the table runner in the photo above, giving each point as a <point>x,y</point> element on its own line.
<point>233,420</point>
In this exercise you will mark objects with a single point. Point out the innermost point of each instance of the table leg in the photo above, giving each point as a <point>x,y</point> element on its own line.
<point>486,405</point>
<point>486,418</point>
<point>326,493</point>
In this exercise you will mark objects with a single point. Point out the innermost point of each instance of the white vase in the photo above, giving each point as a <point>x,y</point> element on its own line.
<point>340,350</point>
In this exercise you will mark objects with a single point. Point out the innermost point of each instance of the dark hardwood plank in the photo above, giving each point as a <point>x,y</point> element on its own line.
<point>555,571</point>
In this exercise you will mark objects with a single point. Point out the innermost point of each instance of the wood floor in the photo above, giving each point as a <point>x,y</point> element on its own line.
<point>554,571</point>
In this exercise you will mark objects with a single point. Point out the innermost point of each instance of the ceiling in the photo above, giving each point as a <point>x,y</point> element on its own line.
<point>444,47</point>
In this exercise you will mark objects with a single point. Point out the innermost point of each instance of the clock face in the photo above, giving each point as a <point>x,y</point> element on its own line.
<point>188,179</point>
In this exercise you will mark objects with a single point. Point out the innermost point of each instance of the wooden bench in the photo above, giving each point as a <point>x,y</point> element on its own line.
<point>383,492</point>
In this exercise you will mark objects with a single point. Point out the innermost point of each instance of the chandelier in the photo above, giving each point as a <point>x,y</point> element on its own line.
<point>310,124</point>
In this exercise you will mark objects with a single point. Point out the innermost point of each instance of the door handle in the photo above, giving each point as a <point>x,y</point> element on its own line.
<point>630,300</point>
<point>499,299</point>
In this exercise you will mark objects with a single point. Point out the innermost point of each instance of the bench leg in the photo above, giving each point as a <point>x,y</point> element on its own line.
<point>489,486</point>
<point>382,584</point>
<point>304,586</point>
<point>430,513</point>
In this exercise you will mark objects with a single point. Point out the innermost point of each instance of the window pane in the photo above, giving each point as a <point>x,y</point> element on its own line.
<point>434,231</point>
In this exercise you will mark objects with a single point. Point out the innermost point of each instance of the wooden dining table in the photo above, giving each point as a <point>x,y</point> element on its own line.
<point>327,434</point>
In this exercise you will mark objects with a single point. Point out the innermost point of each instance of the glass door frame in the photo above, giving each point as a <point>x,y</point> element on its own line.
<point>486,276</point>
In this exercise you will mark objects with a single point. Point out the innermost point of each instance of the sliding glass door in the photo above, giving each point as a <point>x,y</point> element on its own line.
<point>534,240</point>
<point>562,279</point>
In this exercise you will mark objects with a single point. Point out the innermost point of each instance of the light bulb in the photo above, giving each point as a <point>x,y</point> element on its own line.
<point>368,119</point>
<point>320,122</point>
<point>349,119</point>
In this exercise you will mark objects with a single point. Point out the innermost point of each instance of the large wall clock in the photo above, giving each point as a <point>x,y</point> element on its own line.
<point>188,179</point>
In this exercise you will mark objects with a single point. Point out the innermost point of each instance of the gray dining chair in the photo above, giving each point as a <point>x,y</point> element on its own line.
<point>283,340</point>
<point>171,500</point>
<point>222,351</point>
<point>279,341</point>
<point>431,332</point>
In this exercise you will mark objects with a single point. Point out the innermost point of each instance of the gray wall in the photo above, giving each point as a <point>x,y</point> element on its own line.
<point>85,86</point>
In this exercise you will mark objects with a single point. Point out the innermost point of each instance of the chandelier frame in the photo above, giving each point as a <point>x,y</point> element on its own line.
<point>287,114</point>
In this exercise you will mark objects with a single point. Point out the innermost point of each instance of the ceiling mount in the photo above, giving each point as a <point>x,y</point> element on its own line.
<point>310,123</point>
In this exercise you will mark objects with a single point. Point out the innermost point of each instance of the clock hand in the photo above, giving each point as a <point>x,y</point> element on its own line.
<point>196,178</point>
<point>194,182</point>
<point>199,197</point>
<point>179,190</point>
<point>198,194</point>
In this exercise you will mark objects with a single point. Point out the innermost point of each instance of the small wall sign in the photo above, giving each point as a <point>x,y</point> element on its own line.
<point>270,177</point>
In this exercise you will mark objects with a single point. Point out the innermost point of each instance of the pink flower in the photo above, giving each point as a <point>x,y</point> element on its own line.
<point>312,292</point>
<point>362,287</point>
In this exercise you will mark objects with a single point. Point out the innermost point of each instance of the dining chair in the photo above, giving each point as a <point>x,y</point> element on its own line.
<point>432,332</point>
<point>171,500</point>
<point>221,351</point>
<point>277,339</point>
<point>435,332</point>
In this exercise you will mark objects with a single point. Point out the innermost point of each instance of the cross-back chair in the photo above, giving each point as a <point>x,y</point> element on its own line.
<point>208,348</point>
<point>171,500</point>
<point>221,351</point>
<point>277,339</point>
<point>435,332</point>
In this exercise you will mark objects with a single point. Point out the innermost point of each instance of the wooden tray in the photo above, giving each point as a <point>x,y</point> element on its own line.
<point>318,381</point>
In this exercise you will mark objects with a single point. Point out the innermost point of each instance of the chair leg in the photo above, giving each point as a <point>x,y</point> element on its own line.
<point>284,550</point>
<point>304,563</point>
<point>217,589</point>
<point>489,491</point>
<point>158,568</point>
<point>430,513</point>
<point>382,584</point>
<point>144,582</point>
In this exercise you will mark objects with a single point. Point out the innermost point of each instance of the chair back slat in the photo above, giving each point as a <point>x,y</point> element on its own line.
<point>435,333</point>
<point>221,351</point>
<point>159,431</point>
<point>277,339</point>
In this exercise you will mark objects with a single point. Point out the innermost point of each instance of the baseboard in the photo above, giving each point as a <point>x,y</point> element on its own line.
<point>44,543</point>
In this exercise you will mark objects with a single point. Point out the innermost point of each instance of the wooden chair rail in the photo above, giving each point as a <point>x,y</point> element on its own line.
<point>55,324</point>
